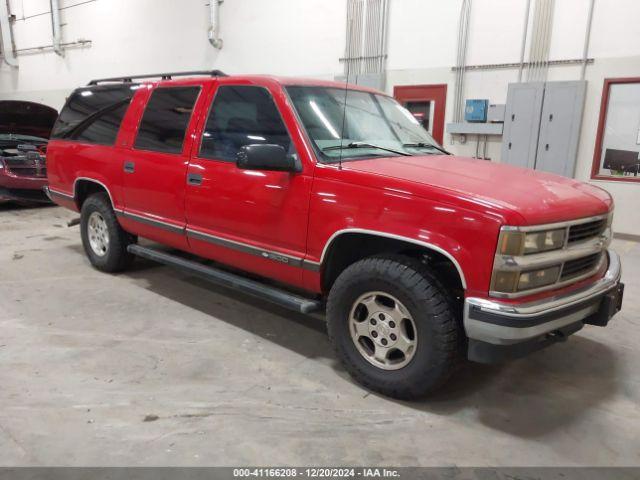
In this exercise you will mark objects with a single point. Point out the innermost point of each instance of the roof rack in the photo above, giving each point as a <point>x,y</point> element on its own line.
<point>163,76</point>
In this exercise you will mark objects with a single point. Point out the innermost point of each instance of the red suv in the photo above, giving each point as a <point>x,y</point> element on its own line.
<point>335,196</point>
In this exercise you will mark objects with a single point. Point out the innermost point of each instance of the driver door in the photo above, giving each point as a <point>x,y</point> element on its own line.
<point>254,220</point>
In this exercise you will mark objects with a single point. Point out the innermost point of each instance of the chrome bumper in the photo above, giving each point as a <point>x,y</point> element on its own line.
<point>500,323</point>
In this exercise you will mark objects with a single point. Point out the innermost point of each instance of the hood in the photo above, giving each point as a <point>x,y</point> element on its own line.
<point>538,197</point>
<point>26,118</point>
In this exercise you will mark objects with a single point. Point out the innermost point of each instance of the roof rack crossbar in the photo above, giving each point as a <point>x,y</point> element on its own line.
<point>163,76</point>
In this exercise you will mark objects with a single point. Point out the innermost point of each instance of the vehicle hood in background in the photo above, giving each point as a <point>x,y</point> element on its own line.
<point>538,196</point>
<point>26,118</point>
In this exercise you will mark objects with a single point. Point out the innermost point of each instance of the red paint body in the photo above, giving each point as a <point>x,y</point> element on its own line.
<point>11,181</point>
<point>454,204</point>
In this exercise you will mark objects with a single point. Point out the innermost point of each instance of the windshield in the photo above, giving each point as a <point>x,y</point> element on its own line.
<point>371,125</point>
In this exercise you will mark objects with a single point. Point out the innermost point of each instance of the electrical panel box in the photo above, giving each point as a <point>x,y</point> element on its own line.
<point>560,127</point>
<point>542,125</point>
<point>495,114</point>
<point>522,123</point>
<point>476,110</point>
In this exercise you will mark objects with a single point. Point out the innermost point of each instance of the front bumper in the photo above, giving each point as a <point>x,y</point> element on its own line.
<point>498,331</point>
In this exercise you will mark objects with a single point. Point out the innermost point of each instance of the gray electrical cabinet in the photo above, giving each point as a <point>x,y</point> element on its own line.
<point>521,123</point>
<point>560,127</point>
<point>542,125</point>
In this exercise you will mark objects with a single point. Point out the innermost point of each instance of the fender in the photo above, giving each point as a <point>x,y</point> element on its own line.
<point>75,190</point>
<point>427,245</point>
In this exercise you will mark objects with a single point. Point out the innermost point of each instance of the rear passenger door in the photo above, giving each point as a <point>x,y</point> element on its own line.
<point>255,220</point>
<point>155,166</point>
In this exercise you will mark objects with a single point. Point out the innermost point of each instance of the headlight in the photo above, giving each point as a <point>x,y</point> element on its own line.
<point>523,243</point>
<point>511,282</point>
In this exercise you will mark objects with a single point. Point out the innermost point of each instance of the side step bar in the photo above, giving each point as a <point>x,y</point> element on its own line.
<point>230,280</point>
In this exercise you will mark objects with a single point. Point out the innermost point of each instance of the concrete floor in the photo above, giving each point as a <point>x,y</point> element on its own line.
<point>152,367</point>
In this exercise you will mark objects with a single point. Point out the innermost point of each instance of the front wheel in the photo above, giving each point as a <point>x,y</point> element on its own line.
<point>103,239</point>
<point>394,326</point>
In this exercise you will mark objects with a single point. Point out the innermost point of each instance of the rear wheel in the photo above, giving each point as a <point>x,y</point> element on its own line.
<point>394,326</point>
<point>103,239</point>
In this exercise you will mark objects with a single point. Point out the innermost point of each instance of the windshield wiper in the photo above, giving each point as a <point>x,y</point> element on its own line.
<point>365,145</point>
<point>424,145</point>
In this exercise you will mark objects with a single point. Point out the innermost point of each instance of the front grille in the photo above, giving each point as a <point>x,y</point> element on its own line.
<point>585,231</point>
<point>26,167</point>
<point>580,266</point>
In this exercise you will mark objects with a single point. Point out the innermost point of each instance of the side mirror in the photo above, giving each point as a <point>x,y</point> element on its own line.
<point>262,156</point>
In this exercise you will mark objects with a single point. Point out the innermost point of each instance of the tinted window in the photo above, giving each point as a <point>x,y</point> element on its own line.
<point>242,116</point>
<point>166,118</point>
<point>94,115</point>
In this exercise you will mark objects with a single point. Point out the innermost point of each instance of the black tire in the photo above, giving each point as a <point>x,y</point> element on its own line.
<point>438,329</point>
<point>116,257</point>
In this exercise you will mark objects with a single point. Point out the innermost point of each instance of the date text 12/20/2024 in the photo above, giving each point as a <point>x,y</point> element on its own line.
<point>310,472</point>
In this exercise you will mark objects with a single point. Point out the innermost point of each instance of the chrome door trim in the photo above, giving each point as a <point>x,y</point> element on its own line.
<point>247,248</point>
<point>153,222</point>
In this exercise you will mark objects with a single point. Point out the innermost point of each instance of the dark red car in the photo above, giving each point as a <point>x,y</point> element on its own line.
<point>335,196</point>
<point>24,133</point>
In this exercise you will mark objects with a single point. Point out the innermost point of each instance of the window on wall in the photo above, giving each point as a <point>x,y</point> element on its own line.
<point>617,152</point>
<point>166,119</point>
<point>239,116</point>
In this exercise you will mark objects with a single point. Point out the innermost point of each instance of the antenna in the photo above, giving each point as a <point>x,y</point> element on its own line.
<point>346,89</point>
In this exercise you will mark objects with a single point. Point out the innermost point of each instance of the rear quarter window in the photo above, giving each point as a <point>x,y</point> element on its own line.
<point>94,114</point>
<point>166,118</point>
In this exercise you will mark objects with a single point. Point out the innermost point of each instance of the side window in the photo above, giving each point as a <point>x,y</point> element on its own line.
<point>94,115</point>
<point>242,115</point>
<point>166,118</point>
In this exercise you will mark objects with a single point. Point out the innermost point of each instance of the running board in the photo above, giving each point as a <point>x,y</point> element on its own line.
<point>230,280</point>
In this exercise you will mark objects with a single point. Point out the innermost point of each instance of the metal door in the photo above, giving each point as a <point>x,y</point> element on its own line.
<point>560,127</point>
<point>522,123</point>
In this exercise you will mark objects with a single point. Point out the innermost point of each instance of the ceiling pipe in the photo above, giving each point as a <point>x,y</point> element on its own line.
<point>587,36</point>
<point>7,35</point>
<point>525,30</point>
<point>214,24</point>
<point>55,27</point>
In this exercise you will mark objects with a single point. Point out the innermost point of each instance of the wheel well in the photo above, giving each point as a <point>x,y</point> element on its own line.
<point>348,248</point>
<point>85,188</point>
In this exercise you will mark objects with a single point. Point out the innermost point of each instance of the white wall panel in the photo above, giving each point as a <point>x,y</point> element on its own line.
<point>306,38</point>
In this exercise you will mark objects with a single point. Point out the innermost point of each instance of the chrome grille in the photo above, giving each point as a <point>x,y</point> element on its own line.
<point>583,254</point>
<point>580,266</point>
<point>585,231</point>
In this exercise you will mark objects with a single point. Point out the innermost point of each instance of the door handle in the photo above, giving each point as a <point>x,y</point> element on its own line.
<point>194,179</point>
<point>129,167</point>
